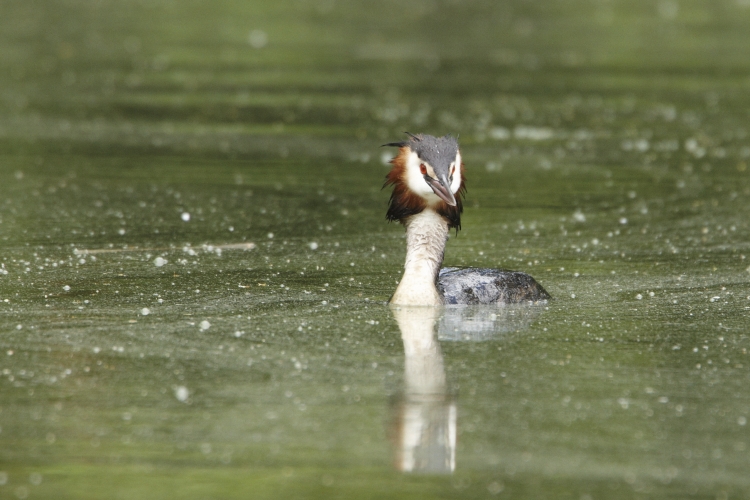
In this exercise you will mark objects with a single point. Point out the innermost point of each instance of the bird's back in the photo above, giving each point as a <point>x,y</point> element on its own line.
<point>474,285</point>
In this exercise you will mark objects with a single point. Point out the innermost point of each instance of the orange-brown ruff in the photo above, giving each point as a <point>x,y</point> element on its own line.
<point>404,203</point>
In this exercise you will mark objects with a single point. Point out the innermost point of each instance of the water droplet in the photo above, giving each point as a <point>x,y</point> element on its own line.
<point>257,39</point>
<point>181,393</point>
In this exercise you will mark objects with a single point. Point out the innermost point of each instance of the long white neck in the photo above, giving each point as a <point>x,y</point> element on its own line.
<point>426,235</point>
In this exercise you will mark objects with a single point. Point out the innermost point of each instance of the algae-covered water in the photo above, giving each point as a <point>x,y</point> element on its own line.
<point>194,260</point>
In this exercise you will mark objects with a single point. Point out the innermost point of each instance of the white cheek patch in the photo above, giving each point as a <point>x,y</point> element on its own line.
<point>456,182</point>
<point>415,179</point>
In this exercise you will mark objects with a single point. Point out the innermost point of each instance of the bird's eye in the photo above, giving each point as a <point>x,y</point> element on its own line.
<point>423,169</point>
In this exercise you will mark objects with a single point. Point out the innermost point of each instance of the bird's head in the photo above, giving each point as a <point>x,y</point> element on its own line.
<point>426,173</point>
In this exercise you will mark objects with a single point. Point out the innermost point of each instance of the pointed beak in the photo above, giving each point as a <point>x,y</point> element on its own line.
<point>440,188</point>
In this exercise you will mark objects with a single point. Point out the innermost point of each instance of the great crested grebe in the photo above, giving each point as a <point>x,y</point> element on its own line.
<point>428,186</point>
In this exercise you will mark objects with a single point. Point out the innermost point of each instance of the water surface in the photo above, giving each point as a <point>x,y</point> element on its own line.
<point>195,261</point>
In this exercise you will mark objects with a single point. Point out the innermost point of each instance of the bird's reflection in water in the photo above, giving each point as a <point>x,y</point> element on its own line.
<point>424,423</point>
<point>479,323</point>
<point>425,415</point>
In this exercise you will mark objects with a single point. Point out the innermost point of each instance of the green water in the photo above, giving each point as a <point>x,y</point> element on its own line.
<point>195,259</point>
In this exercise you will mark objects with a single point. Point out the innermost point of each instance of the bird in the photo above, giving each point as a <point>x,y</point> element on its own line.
<point>428,181</point>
